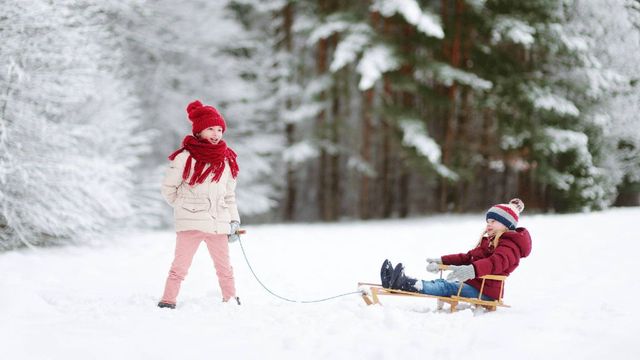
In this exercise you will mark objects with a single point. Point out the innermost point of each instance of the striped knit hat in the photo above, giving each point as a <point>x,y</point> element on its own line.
<point>507,214</point>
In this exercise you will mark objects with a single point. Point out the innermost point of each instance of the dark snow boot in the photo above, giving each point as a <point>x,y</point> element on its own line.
<point>162,304</point>
<point>399,281</point>
<point>385,273</point>
<point>231,300</point>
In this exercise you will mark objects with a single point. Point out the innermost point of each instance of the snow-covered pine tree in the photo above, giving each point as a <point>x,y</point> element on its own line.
<point>544,146</point>
<point>440,100</point>
<point>575,98</point>
<point>69,130</point>
<point>609,34</point>
<point>373,54</point>
<point>292,87</point>
<point>494,68</point>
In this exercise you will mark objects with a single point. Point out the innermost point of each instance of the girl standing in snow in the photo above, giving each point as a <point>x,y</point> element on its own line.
<point>497,253</point>
<point>200,186</point>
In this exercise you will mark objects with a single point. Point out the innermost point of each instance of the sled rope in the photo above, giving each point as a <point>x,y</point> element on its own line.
<point>282,297</point>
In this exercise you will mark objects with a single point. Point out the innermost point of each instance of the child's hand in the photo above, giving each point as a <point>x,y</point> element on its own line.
<point>461,272</point>
<point>434,260</point>
<point>433,267</point>
<point>234,227</point>
<point>233,233</point>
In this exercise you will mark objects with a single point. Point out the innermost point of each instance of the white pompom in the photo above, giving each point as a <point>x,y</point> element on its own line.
<point>517,204</point>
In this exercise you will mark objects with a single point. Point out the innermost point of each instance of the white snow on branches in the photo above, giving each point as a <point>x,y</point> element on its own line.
<point>301,113</point>
<point>447,75</point>
<point>327,29</point>
<point>545,100</point>
<point>425,22</point>
<point>375,62</point>
<point>300,152</point>
<point>415,135</point>
<point>566,140</point>
<point>514,30</point>
<point>353,44</point>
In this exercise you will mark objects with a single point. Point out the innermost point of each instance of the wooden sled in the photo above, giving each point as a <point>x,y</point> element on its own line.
<point>372,296</point>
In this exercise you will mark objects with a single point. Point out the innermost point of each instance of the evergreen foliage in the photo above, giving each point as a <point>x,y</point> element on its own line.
<point>69,131</point>
<point>362,109</point>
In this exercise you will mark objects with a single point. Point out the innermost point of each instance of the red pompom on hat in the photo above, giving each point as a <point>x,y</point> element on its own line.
<point>204,116</point>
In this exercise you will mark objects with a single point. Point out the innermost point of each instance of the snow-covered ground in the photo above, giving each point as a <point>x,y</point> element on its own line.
<point>575,296</point>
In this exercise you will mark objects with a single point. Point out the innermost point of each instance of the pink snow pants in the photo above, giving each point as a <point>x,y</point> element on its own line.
<point>187,243</point>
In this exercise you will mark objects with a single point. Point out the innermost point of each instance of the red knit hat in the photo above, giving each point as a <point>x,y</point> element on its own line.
<point>204,117</point>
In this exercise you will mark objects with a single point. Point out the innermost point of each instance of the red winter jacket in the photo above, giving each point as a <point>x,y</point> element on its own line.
<point>486,260</point>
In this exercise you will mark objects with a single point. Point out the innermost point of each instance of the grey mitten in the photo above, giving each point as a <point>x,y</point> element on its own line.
<point>433,267</point>
<point>233,233</point>
<point>461,272</point>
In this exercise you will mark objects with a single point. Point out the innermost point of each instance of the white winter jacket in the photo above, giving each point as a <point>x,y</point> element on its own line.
<point>208,207</point>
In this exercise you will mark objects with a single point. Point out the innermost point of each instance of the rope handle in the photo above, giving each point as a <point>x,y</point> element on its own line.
<point>246,259</point>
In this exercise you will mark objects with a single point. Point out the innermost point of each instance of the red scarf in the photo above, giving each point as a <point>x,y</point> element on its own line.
<point>205,154</point>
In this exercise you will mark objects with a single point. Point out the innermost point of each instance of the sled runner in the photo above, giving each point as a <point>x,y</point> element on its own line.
<point>374,291</point>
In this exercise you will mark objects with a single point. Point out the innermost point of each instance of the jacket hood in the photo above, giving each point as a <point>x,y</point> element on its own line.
<point>521,238</point>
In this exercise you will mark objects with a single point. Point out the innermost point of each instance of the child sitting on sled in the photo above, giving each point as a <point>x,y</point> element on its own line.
<point>497,253</point>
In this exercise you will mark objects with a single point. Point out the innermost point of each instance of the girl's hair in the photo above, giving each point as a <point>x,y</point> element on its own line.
<point>494,242</point>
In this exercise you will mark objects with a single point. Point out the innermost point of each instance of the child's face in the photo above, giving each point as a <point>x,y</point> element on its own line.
<point>212,134</point>
<point>495,227</point>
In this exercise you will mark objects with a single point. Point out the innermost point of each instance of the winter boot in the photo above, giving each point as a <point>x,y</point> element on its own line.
<point>385,273</point>
<point>231,300</point>
<point>163,304</point>
<point>399,281</point>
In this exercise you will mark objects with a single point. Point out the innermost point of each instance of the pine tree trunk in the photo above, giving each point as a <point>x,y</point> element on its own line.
<point>387,158</point>
<point>365,149</point>
<point>333,208</point>
<point>528,190</point>
<point>386,132</point>
<point>320,129</point>
<point>408,105</point>
<point>291,186</point>
<point>464,145</point>
<point>321,119</point>
<point>403,192</point>
<point>487,145</point>
<point>365,152</point>
<point>467,142</point>
<point>452,53</point>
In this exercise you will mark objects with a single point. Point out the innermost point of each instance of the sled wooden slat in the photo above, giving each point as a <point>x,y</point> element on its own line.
<point>494,277</point>
<point>376,290</point>
<point>490,305</point>
<point>366,299</point>
<point>374,294</point>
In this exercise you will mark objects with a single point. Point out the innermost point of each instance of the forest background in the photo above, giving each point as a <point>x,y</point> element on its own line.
<point>338,109</point>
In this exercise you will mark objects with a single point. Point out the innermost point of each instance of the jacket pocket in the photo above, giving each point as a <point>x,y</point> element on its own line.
<point>194,205</point>
<point>222,211</point>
